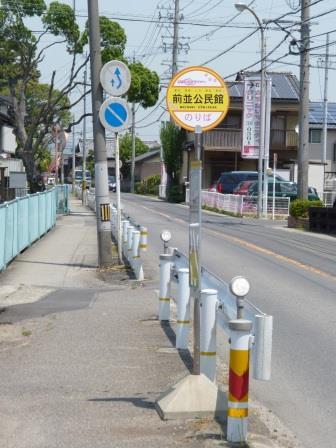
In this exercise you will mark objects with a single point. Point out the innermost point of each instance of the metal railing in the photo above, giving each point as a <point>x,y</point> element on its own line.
<point>239,205</point>
<point>23,221</point>
<point>250,332</point>
<point>231,138</point>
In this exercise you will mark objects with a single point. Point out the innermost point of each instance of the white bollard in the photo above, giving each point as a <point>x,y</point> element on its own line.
<point>183,309</point>
<point>136,260</point>
<point>143,239</point>
<point>130,229</point>
<point>113,220</point>
<point>164,292</point>
<point>262,348</point>
<point>208,308</point>
<point>237,420</point>
<point>125,225</point>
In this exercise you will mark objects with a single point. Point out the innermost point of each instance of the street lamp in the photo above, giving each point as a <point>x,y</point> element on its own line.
<point>243,7</point>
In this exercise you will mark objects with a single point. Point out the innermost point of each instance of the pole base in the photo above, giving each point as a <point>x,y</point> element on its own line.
<point>193,396</point>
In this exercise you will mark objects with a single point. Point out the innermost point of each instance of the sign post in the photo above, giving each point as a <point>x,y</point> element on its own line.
<point>114,115</point>
<point>198,100</point>
<point>195,217</point>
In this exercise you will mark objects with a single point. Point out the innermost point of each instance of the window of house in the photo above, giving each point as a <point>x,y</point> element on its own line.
<point>315,135</point>
<point>231,121</point>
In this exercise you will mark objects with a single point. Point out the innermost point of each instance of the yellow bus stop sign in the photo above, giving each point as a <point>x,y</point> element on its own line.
<point>197,96</point>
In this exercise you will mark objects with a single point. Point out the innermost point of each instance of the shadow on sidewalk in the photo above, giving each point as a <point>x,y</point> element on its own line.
<point>140,402</point>
<point>184,354</point>
<point>78,265</point>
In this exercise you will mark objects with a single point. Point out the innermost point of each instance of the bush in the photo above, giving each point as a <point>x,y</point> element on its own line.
<point>175,194</point>
<point>150,185</point>
<point>299,208</point>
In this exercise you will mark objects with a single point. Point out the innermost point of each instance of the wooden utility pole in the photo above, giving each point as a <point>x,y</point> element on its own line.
<point>303,154</point>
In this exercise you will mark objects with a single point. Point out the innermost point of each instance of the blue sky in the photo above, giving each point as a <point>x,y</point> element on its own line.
<point>204,37</point>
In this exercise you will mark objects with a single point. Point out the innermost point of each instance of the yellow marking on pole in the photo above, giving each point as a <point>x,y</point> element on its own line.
<point>237,413</point>
<point>143,233</point>
<point>136,256</point>
<point>196,164</point>
<point>164,299</point>
<point>193,269</point>
<point>183,322</point>
<point>242,400</point>
<point>143,246</point>
<point>105,212</point>
<point>239,361</point>
<point>208,353</point>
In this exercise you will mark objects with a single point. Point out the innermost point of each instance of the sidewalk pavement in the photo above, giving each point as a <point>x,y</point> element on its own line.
<point>83,356</point>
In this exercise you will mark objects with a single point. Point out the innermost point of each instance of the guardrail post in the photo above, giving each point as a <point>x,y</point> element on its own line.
<point>183,309</point>
<point>237,421</point>
<point>114,220</point>
<point>143,239</point>
<point>208,308</point>
<point>262,347</point>
<point>125,225</point>
<point>164,292</point>
<point>136,261</point>
<point>130,229</point>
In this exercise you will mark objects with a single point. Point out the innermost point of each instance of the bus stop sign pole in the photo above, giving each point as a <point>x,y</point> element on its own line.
<point>195,242</point>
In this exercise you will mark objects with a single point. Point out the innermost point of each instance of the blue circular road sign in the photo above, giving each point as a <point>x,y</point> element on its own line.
<point>115,114</point>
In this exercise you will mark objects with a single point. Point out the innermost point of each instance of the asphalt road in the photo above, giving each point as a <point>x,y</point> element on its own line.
<point>293,278</point>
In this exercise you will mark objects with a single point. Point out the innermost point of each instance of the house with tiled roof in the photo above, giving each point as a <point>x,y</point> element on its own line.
<point>222,145</point>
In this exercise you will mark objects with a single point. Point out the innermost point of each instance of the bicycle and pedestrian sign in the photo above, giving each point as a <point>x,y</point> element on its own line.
<point>197,96</point>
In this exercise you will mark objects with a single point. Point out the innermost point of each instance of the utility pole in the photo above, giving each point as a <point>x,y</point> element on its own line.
<point>73,131</point>
<point>175,36</point>
<point>133,143</point>
<point>303,154</point>
<point>101,184</point>
<point>57,145</point>
<point>73,156</point>
<point>325,109</point>
<point>84,140</point>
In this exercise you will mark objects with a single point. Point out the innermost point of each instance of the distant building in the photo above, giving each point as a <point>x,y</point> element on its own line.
<point>13,179</point>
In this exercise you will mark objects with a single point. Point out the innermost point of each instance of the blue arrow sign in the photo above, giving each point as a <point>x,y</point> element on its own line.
<point>114,114</point>
<point>117,75</point>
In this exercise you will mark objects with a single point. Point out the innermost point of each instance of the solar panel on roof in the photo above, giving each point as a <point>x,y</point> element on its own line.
<point>316,113</point>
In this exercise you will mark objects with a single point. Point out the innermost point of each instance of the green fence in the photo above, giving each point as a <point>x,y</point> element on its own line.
<point>26,219</point>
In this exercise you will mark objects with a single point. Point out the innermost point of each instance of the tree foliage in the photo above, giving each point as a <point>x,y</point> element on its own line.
<point>144,86</point>
<point>125,147</point>
<point>36,106</point>
<point>125,151</point>
<point>172,139</point>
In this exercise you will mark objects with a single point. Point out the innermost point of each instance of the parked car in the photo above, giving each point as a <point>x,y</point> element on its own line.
<point>228,181</point>
<point>79,177</point>
<point>213,187</point>
<point>242,187</point>
<point>112,183</point>
<point>283,189</point>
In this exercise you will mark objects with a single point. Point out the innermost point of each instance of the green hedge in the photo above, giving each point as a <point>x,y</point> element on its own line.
<point>175,194</point>
<point>299,208</point>
<point>150,185</point>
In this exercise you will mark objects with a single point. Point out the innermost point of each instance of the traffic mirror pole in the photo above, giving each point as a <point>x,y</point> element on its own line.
<point>101,184</point>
